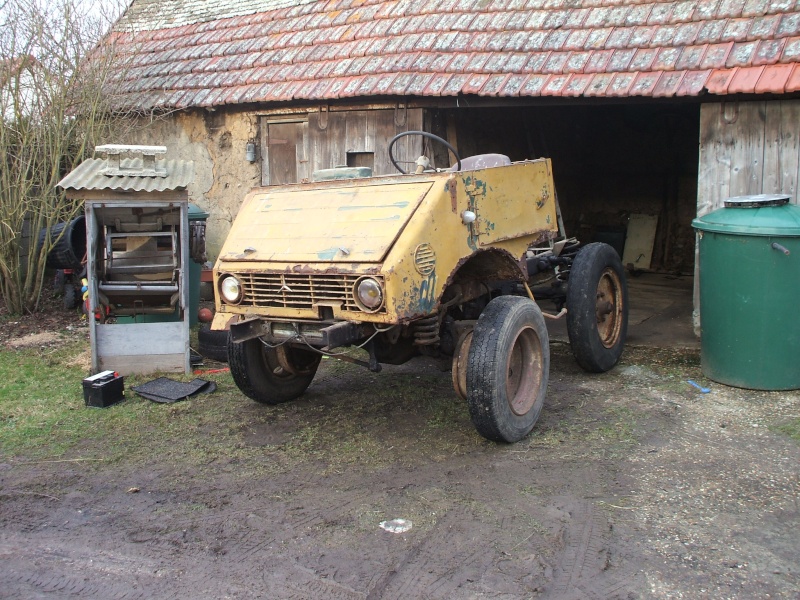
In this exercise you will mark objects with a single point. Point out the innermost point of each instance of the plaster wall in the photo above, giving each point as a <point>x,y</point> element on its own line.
<point>216,143</point>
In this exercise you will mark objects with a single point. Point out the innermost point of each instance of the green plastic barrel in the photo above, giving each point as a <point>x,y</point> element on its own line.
<point>197,217</point>
<point>750,292</point>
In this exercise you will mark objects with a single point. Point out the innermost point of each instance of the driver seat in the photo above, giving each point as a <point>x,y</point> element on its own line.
<point>482,161</point>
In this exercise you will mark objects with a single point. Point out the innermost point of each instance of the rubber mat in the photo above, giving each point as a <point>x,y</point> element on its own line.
<point>166,390</point>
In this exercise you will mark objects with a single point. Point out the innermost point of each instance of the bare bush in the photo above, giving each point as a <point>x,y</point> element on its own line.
<point>54,109</point>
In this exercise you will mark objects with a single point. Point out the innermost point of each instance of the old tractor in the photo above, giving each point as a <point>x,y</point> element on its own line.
<point>439,262</point>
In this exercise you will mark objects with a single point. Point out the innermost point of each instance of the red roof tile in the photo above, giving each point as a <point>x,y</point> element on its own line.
<point>533,85</point>
<point>719,80</point>
<point>577,84</point>
<point>599,84</point>
<point>768,52</point>
<point>361,48</point>
<point>668,84</point>
<point>774,79</point>
<point>690,58</point>
<point>644,84</point>
<point>744,80</point>
<point>716,56</point>
<point>692,83</point>
<point>793,84</point>
<point>512,85</point>
<point>742,54</point>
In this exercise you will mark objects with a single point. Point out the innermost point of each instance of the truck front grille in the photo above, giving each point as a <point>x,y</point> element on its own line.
<point>298,291</point>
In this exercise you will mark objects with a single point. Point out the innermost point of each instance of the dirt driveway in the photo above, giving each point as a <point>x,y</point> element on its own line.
<point>632,485</point>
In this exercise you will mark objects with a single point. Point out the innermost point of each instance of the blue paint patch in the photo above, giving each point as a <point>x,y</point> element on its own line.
<point>427,290</point>
<point>327,254</point>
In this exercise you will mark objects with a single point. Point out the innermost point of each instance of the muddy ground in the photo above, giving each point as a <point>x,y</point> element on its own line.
<point>632,485</point>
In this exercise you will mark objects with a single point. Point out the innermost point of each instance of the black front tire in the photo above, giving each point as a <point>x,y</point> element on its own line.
<point>597,308</point>
<point>508,367</point>
<point>271,375</point>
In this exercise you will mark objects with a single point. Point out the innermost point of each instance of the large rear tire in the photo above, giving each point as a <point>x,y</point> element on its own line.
<point>508,367</point>
<point>271,375</point>
<point>597,307</point>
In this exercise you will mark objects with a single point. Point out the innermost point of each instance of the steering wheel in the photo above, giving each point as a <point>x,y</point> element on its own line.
<point>431,136</point>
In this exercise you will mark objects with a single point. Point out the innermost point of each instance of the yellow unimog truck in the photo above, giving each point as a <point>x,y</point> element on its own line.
<point>443,263</point>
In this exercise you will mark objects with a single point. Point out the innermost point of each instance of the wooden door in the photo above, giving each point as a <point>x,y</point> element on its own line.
<point>284,153</point>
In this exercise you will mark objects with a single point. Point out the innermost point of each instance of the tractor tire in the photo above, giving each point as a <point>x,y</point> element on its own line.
<point>213,344</point>
<point>271,375</point>
<point>597,308</point>
<point>71,299</point>
<point>508,367</point>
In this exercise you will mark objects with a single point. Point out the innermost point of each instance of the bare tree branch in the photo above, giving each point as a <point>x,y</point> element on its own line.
<point>54,108</point>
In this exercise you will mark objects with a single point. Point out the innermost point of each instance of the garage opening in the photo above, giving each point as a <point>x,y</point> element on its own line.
<point>625,174</point>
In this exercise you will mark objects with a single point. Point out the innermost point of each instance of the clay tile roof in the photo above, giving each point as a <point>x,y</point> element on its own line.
<point>213,52</point>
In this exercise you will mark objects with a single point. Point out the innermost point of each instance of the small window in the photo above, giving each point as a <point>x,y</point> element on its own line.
<point>361,159</point>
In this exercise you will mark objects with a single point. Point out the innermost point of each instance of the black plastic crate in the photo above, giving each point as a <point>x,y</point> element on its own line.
<point>104,389</point>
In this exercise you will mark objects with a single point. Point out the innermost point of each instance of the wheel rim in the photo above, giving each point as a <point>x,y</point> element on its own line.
<point>524,372</point>
<point>273,364</point>
<point>608,307</point>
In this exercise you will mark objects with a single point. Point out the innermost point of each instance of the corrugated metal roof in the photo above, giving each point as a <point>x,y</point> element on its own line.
<point>207,53</point>
<point>89,176</point>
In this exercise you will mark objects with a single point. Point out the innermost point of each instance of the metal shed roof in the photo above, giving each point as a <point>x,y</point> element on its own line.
<point>205,53</point>
<point>90,176</point>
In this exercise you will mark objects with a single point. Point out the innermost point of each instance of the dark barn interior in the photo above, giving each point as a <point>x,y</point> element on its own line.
<point>610,163</point>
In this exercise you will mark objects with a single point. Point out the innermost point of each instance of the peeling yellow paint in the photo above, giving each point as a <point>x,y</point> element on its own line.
<point>375,226</point>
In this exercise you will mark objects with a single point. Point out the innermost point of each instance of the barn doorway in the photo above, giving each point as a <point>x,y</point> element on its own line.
<point>625,173</point>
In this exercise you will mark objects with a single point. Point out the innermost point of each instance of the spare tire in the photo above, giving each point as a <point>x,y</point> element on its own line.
<point>213,344</point>
<point>69,251</point>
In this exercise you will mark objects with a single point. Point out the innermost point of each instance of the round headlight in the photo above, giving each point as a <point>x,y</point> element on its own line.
<point>230,289</point>
<point>369,294</point>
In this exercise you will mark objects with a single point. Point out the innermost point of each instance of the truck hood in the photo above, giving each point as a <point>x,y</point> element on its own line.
<point>304,224</point>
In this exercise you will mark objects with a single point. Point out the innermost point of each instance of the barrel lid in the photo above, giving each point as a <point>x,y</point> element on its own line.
<point>757,201</point>
<point>760,214</point>
<point>196,213</point>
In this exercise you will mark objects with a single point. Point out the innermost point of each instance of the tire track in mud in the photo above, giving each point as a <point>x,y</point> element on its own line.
<point>64,571</point>
<point>428,569</point>
<point>584,571</point>
<point>305,583</point>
